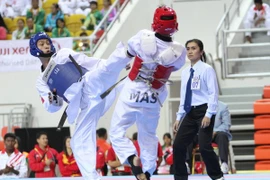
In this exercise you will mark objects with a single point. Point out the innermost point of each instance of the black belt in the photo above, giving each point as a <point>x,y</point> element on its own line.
<point>199,106</point>
<point>146,79</point>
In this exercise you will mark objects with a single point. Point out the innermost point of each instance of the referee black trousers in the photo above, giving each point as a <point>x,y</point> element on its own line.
<point>190,126</point>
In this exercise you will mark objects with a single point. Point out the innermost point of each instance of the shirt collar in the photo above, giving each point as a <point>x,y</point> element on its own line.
<point>16,151</point>
<point>163,38</point>
<point>196,65</point>
<point>41,150</point>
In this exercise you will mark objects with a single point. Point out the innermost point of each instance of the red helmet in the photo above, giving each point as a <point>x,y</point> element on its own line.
<point>165,21</point>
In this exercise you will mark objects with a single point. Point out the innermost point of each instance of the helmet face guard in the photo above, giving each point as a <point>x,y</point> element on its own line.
<point>34,50</point>
<point>165,21</point>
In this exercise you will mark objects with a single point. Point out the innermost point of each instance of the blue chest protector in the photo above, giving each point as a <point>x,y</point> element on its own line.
<point>62,76</point>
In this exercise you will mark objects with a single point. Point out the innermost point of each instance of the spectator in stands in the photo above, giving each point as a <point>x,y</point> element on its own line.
<point>93,18</point>
<point>51,18</point>
<point>68,6</point>
<point>164,167</point>
<point>117,169</point>
<point>60,30</point>
<point>19,33</point>
<point>66,161</point>
<point>159,151</point>
<point>31,28</point>
<point>257,16</point>
<point>106,6</point>
<point>12,161</point>
<point>82,45</point>
<point>83,7</point>
<point>3,33</point>
<point>36,12</point>
<point>221,136</point>
<point>102,137</point>
<point>18,145</point>
<point>42,159</point>
<point>14,8</point>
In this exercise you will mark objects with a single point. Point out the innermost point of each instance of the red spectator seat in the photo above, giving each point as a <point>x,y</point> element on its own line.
<point>262,122</point>
<point>4,130</point>
<point>262,106</point>
<point>262,153</point>
<point>98,36</point>
<point>262,165</point>
<point>266,92</point>
<point>262,137</point>
<point>2,145</point>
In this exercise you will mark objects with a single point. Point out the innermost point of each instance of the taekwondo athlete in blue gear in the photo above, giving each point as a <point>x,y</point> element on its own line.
<point>83,95</point>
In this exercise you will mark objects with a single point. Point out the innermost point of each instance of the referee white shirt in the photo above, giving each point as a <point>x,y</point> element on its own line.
<point>206,91</point>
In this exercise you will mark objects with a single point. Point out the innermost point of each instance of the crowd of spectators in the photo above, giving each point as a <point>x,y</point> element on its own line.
<point>20,19</point>
<point>44,161</point>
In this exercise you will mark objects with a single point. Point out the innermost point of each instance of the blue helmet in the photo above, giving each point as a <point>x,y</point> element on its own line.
<point>33,45</point>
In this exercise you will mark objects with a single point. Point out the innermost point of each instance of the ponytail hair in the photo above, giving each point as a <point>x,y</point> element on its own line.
<point>203,57</point>
<point>65,146</point>
<point>200,44</point>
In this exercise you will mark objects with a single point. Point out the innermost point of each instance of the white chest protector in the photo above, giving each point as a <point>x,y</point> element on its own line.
<point>166,57</point>
<point>161,72</point>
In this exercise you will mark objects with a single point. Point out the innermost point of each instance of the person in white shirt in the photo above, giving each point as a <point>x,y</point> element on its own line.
<point>14,8</point>
<point>196,114</point>
<point>83,7</point>
<point>68,7</point>
<point>19,32</point>
<point>258,16</point>
<point>12,161</point>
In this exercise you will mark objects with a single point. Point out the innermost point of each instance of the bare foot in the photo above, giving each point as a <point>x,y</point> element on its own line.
<point>141,176</point>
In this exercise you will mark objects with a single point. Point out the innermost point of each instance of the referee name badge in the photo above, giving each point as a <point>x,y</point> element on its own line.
<point>196,83</point>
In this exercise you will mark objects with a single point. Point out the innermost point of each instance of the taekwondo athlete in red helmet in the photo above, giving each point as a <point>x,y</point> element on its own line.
<point>144,91</point>
<point>79,80</point>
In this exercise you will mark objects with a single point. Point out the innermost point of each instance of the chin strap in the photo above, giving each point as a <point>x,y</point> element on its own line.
<point>46,55</point>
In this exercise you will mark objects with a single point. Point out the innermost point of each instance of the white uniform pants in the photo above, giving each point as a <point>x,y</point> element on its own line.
<point>250,24</point>
<point>83,145</point>
<point>146,120</point>
<point>83,142</point>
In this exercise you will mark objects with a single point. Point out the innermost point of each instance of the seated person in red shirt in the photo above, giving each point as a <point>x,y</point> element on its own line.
<point>66,161</point>
<point>100,164</point>
<point>104,146</point>
<point>42,158</point>
<point>159,152</point>
<point>117,169</point>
